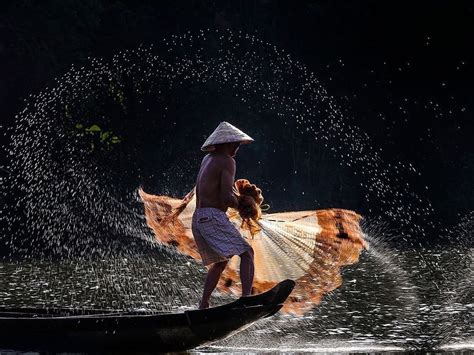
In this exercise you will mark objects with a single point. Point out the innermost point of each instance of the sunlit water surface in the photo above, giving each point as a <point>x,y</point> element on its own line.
<point>66,177</point>
<point>377,308</point>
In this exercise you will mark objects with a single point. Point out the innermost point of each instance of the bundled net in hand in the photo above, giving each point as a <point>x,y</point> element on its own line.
<point>309,247</point>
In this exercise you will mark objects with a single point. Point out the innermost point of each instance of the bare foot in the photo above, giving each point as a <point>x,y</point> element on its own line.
<point>203,305</point>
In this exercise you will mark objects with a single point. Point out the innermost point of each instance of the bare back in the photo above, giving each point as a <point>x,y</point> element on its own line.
<point>215,181</point>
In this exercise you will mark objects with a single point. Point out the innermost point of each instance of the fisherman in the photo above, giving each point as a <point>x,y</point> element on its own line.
<point>216,237</point>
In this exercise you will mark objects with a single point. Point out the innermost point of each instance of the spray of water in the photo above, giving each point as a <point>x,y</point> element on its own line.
<point>61,186</point>
<point>63,193</point>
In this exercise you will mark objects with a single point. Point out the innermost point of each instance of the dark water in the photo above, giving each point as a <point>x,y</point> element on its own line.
<point>390,301</point>
<point>67,183</point>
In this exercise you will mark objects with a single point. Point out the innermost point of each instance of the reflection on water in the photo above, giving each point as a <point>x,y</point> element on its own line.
<point>427,303</point>
<point>110,283</point>
<point>390,300</point>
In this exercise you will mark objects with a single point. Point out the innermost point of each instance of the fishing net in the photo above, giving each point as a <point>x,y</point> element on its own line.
<point>309,247</point>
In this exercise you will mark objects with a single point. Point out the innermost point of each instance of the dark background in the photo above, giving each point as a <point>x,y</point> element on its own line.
<point>402,71</point>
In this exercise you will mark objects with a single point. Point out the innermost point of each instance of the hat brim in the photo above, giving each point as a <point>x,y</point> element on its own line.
<point>212,147</point>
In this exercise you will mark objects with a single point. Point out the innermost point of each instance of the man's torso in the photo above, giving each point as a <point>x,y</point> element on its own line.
<point>208,184</point>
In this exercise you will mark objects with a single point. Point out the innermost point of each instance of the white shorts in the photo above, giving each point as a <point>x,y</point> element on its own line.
<point>216,237</point>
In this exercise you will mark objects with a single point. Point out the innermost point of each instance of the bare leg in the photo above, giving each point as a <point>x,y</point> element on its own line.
<point>247,270</point>
<point>213,276</point>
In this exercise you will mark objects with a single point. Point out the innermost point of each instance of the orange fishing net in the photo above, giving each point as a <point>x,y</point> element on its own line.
<point>309,247</point>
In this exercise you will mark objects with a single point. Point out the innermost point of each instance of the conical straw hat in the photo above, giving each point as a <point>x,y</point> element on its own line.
<point>225,133</point>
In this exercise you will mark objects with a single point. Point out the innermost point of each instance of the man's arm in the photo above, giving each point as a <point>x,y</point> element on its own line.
<point>227,183</point>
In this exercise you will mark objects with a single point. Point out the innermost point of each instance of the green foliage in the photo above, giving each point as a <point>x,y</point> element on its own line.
<point>92,129</point>
<point>99,138</point>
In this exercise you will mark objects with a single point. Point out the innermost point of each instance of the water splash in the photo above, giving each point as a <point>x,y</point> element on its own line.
<point>150,282</point>
<point>64,194</point>
<point>68,194</point>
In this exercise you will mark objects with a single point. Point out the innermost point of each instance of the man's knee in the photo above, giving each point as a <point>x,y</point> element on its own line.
<point>248,254</point>
<point>220,265</point>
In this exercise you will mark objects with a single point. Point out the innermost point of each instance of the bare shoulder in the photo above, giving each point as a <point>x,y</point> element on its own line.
<point>227,162</point>
<point>221,160</point>
<point>205,158</point>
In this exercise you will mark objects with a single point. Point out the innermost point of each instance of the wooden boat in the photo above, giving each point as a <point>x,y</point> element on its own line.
<point>73,330</point>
